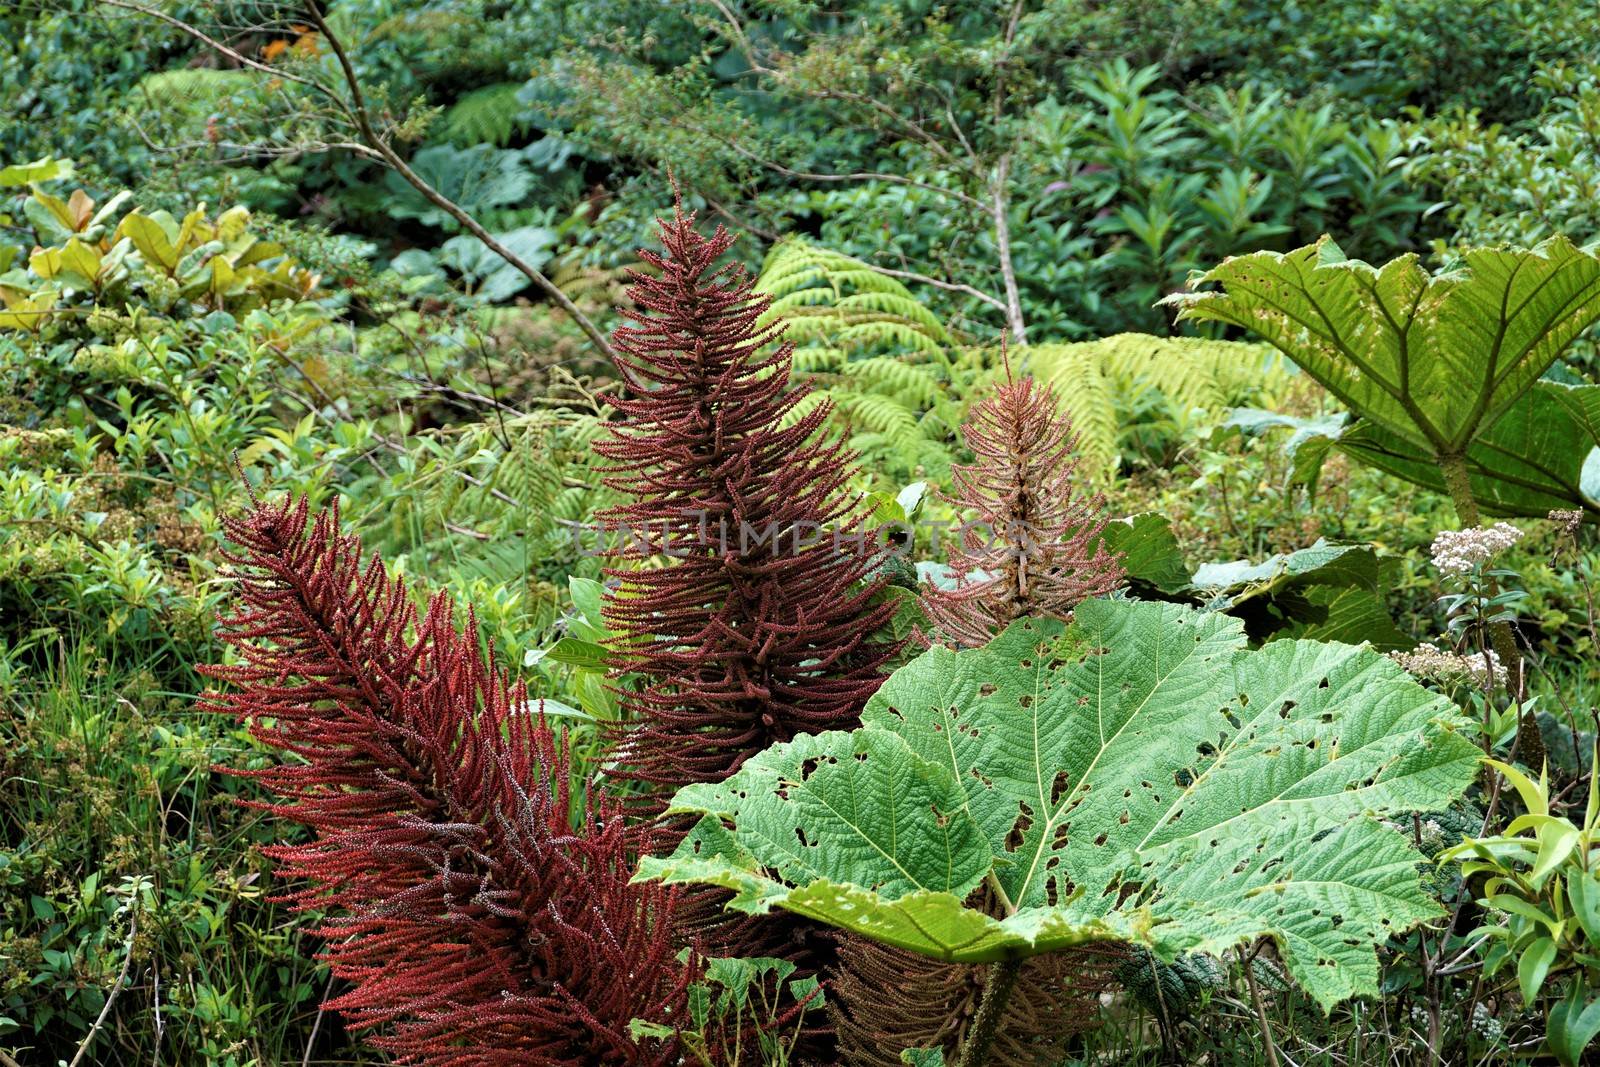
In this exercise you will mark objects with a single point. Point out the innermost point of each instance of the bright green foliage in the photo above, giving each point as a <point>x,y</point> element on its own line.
<point>1432,359</point>
<point>837,307</point>
<point>1540,877</point>
<point>1129,390</point>
<point>868,346</point>
<point>1137,776</point>
<point>107,256</point>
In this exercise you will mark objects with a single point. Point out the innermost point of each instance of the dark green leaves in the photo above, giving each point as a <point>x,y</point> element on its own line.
<point>1430,358</point>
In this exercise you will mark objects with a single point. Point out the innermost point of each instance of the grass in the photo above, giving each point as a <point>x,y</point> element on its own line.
<point>120,847</point>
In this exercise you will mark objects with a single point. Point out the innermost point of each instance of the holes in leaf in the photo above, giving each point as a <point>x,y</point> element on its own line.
<point>1288,706</point>
<point>1057,787</point>
<point>987,690</point>
<point>1025,700</point>
<point>1019,829</point>
<point>1101,840</point>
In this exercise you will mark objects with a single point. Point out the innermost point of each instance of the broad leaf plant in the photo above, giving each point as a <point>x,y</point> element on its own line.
<point>1139,775</point>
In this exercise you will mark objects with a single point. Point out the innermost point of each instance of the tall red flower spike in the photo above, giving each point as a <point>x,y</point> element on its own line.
<point>759,624</point>
<point>477,922</point>
<point>1034,548</point>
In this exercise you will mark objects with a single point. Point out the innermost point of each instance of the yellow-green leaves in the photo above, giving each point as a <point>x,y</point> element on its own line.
<point>1541,876</point>
<point>113,256</point>
<point>157,237</point>
<point>1140,776</point>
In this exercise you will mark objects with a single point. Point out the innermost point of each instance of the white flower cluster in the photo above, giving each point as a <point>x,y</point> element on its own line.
<point>1489,1027</point>
<point>1430,661</point>
<point>1459,551</point>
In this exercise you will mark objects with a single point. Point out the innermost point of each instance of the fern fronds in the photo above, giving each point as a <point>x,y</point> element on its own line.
<point>1191,378</point>
<point>492,115</point>
<point>880,358</point>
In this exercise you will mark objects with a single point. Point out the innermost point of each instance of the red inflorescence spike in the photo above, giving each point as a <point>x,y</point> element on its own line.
<point>1034,547</point>
<point>480,913</point>
<point>755,617</point>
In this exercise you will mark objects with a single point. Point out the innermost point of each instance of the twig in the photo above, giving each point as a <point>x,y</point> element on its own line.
<point>374,146</point>
<point>954,287</point>
<point>1261,1009</point>
<point>127,961</point>
<point>363,121</point>
<point>317,1023</point>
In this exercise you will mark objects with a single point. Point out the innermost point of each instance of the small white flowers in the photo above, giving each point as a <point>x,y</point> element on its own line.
<point>1460,551</point>
<point>1431,662</point>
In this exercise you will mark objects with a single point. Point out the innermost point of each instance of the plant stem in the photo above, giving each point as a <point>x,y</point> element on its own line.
<point>997,987</point>
<point>1261,1009</point>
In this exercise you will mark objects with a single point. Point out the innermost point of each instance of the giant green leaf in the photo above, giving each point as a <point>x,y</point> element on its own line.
<point>1540,455</point>
<point>1431,359</point>
<point>1139,775</point>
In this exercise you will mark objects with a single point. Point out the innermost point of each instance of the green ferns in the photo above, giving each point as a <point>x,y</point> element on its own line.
<point>901,381</point>
<point>888,365</point>
<point>1138,776</point>
<point>1134,392</point>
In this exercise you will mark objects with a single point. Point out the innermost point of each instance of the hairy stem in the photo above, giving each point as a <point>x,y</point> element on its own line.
<point>997,987</point>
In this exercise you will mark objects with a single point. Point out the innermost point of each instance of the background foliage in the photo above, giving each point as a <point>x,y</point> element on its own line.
<point>203,289</point>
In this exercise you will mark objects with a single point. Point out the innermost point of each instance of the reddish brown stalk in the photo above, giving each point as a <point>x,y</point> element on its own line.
<point>476,917</point>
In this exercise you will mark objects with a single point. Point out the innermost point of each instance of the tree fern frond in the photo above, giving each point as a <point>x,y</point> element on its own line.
<point>908,382</point>
<point>819,360</point>
<point>1086,395</point>
<point>883,414</point>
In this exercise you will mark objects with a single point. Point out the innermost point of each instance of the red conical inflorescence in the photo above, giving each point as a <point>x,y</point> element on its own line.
<point>477,919</point>
<point>754,619</point>
<point>1034,548</point>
